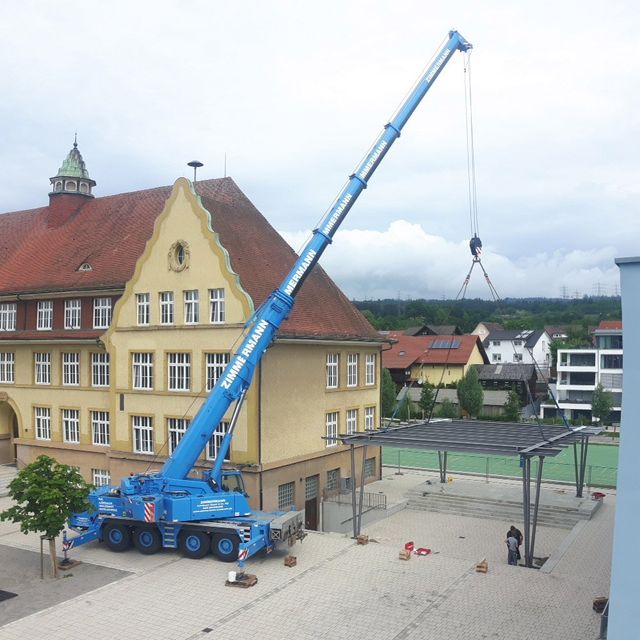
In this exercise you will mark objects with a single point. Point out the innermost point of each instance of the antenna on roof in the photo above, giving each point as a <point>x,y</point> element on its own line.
<point>196,165</point>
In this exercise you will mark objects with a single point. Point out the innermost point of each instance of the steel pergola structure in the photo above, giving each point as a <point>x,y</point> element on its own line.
<point>524,440</point>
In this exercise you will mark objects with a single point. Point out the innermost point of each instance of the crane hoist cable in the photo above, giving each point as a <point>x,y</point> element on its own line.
<point>475,244</point>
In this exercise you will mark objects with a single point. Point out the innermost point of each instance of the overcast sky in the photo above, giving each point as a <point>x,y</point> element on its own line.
<point>295,92</point>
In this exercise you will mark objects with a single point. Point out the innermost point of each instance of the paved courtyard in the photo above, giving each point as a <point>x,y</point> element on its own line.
<point>339,590</point>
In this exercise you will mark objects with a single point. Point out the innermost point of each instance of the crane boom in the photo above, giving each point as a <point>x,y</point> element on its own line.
<point>265,323</point>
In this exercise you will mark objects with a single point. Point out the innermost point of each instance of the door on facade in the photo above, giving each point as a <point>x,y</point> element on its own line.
<point>8,433</point>
<point>311,488</point>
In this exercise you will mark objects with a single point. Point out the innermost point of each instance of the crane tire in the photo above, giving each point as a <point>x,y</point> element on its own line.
<point>147,540</point>
<point>116,536</point>
<point>225,546</point>
<point>194,544</point>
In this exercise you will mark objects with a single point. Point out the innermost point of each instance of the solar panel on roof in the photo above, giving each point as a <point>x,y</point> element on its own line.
<point>445,344</point>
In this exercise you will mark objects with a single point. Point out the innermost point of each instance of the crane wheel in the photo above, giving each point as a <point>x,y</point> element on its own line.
<point>116,536</point>
<point>194,544</point>
<point>225,546</point>
<point>147,540</point>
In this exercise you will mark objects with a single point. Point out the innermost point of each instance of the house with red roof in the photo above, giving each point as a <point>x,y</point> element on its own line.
<point>119,313</point>
<point>437,359</point>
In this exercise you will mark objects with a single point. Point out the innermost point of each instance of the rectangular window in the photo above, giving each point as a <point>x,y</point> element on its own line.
<point>332,428</point>
<point>370,468</point>
<point>216,306</point>
<point>45,315</point>
<point>143,309</point>
<point>213,446</point>
<point>496,357</point>
<point>191,307</point>
<point>142,434</point>
<point>352,370</point>
<point>43,423</point>
<point>333,360</point>
<point>179,371</point>
<point>100,477</point>
<point>333,479</point>
<point>370,418</point>
<point>100,428</point>
<point>71,369</point>
<point>517,357</point>
<point>495,343</point>
<point>352,420</point>
<point>7,367</point>
<point>71,425</point>
<point>607,361</point>
<point>176,428</point>
<point>72,314</point>
<point>142,370</point>
<point>286,495</point>
<point>43,368</point>
<point>370,369</point>
<point>101,313</point>
<point>99,369</point>
<point>216,363</point>
<point>7,316</point>
<point>167,315</point>
<point>517,343</point>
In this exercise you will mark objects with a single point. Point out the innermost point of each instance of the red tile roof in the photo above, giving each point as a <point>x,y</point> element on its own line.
<point>41,255</point>
<point>610,324</point>
<point>419,350</point>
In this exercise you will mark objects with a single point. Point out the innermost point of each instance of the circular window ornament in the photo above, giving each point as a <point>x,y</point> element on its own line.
<point>179,255</point>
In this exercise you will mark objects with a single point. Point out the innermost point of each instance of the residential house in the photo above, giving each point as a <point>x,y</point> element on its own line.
<point>493,401</point>
<point>119,313</point>
<point>581,370</point>
<point>434,330</point>
<point>520,347</point>
<point>483,329</point>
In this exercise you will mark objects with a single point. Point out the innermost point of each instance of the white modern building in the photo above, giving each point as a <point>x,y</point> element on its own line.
<point>520,347</point>
<point>581,370</point>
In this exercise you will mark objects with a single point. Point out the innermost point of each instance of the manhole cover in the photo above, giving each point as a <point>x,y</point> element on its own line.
<point>5,595</point>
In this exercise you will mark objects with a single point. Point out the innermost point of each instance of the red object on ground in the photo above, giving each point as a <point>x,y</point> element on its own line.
<point>598,495</point>
<point>421,551</point>
<point>408,546</point>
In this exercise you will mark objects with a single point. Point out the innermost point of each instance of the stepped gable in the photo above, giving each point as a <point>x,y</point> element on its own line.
<point>110,233</point>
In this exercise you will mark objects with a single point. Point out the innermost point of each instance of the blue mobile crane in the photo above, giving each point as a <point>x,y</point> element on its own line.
<point>168,508</point>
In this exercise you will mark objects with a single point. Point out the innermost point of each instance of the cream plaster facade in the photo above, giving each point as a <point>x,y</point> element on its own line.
<point>279,435</point>
<point>445,374</point>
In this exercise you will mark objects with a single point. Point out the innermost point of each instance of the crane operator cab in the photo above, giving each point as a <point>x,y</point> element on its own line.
<point>232,481</point>
<point>475,244</point>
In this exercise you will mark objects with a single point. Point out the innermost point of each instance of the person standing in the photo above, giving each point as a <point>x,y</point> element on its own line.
<point>517,534</point>
<point>512,549</point>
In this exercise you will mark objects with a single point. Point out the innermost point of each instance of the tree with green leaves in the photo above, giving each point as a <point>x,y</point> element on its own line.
<point>447,409</point>
<point>512,407</point>
<point>427,397</point>
<point>601,404</point>
<point>388,393</point>
<point>45,494</point>
<point>470,395</point>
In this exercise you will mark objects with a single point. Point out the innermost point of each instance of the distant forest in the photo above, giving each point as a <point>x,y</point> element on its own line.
<point>511,313</point>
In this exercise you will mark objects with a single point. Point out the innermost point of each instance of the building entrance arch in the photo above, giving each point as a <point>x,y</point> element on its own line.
<point>9,430</point>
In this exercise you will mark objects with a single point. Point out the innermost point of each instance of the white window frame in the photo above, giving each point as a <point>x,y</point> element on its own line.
<point>100,370</point>
<point>100,428</point>
<point>191,306</point>
<point>179,371</point>
<point>496,357</point>
<point>176,428</point>
<point>369,418</point>
<point>167,308</point>
<point>142,370</point>
<point>44,320</point>
<point>216,364</point>
<point>142,429</point>
<point>213,446</point>
<point>370,369</point>
<point>333,370</point>
<point>8,312</point>
<point>143,309</point>
<point>73,314</point>
<point>71,369</point>
<point>352,370</point>
<point>100,477</point>
<point>216,306</point>
<point>42,361</point>
<point>7,367</point>
<point>517,357</point>
<point>71,426</point>
<point>42,423</point>
<point>331,423</point>
<point>352,421</point>
<point>101,313</point>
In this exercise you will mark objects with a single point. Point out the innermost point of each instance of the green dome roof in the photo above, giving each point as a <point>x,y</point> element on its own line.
<point>73,165</point>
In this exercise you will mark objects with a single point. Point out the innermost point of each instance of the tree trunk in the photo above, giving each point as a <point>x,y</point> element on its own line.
<point>53,558</point>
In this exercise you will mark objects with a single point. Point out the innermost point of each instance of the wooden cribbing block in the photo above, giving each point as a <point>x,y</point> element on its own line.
<point>290,561</point>
<point>362,539</point>
<point>482,566</point>
<point>404,554</point>
<point>244,582</point>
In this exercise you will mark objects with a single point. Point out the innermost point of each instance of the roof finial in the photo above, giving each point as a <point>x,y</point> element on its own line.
<point>75,140</point>
<point>196,164</point>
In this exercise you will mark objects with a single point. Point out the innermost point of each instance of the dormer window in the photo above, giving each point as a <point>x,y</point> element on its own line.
<point>71,185</point>
<point>84,187</point>
<point>85,266</point>
<point>58,185</point>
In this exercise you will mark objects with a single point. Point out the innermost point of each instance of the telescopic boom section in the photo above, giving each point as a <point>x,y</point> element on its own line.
<point>267,320</point>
